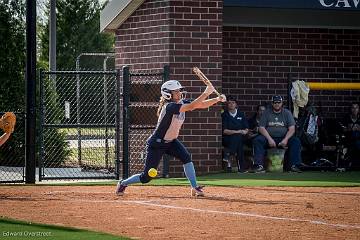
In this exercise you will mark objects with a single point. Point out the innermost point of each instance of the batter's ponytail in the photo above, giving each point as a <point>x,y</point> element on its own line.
<point>162,102</point>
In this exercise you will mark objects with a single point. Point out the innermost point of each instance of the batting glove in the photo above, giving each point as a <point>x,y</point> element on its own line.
<point>222,98</point>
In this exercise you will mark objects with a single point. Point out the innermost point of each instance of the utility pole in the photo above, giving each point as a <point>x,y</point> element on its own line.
<point>52,36</point>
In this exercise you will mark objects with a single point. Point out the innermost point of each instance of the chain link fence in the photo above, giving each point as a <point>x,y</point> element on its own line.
<point>12,153</point>
<point>141,95</point>
<point>85,126</point>
<point>78,124</point>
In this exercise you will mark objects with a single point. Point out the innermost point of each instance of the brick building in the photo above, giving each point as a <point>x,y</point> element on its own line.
<point>247,48</point>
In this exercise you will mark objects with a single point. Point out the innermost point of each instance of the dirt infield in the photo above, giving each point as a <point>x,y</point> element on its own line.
<point>148,212</point>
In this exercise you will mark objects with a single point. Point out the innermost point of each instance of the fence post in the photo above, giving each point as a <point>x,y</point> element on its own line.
<point>126,100</point>
<point>78,108</point>
<point>42,121</point>
<point>117,125</point>
<point>30,77</point>
<point>106,115</point>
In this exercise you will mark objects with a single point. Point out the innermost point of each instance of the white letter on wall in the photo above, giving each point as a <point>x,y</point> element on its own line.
<point>346,3</point>
<point>356,2</point>
<point>322,2</point>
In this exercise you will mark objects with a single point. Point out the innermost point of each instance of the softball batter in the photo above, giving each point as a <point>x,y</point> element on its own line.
<point>171,114</point>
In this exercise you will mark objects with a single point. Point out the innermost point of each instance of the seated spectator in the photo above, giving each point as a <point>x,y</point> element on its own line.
<point>235,127</point>
<point>352,129</point>
<point>277,130</point>
<point>254,121</point>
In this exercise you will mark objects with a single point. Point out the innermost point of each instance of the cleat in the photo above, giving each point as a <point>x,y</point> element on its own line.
<point>294,168</point>
<point>120,189</point>
<point>197,191</point>
<point>259,169</point>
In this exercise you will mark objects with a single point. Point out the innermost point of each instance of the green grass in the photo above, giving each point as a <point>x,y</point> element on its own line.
<point>305,179</point>
<point>94,156</point>
<point>320,179</point>
<point>14,230</point>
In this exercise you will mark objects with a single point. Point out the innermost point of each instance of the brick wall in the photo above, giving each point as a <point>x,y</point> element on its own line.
<point>142,41</point>
<point>196,40</point>
<point>257,61</point>
<point>183,34</point>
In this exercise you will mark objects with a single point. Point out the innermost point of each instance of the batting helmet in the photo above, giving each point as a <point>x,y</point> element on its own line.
<point>169,86</point>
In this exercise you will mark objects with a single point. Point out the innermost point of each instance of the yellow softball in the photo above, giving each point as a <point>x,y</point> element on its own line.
<point>152,172</point>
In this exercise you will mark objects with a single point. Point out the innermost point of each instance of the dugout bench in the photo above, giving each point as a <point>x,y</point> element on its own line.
<point>270,163</point>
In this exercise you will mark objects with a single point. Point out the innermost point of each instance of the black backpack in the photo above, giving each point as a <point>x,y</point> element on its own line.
<point>308,126</point>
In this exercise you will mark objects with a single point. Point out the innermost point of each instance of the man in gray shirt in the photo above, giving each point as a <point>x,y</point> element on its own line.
<point>277,129</point>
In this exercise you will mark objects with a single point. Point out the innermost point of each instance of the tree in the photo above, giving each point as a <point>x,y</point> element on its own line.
<point>12,87</point>
<point>77,32</point>
<point>12,55</point>
<point>78,24</point>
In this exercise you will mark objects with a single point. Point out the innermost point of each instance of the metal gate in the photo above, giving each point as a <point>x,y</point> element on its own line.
<point>141,95</point>
<point>79,125</point>
<point>12,153</point>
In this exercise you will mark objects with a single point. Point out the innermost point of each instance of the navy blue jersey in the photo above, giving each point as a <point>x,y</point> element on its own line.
<point>170,121</point>
<point>234,142</point>
<point>238,122</point>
